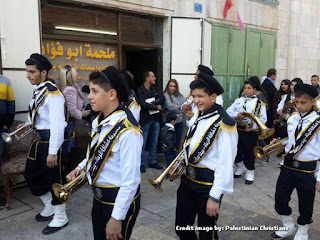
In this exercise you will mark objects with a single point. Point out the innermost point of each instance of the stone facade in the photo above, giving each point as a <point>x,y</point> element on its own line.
<point>295,21</point>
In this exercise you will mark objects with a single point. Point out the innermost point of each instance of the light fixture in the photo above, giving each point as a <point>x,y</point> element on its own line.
<point>84,30</point>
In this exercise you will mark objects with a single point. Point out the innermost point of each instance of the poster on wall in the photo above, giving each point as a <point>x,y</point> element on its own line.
<point>85,57</point>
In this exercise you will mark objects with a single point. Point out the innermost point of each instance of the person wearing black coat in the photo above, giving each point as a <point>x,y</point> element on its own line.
<point>268,86</point>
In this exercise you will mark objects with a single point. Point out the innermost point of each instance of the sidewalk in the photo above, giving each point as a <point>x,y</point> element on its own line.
<point>250,206</point>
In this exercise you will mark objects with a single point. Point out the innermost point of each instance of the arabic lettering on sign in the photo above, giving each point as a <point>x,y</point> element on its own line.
<point>54,49</point>
<point>83,56</point>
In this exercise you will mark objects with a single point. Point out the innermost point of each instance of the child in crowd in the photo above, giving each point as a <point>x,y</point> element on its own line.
<point>168,136</point>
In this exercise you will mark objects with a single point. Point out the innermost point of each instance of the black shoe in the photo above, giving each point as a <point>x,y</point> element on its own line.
<point>3,202</point>
<point>142,168</point>
<point>48,230</point>
<point>275,236</point>
<point>248,182</point>
<point>237,176</point>
<point>40,218</point>
<point>156,166</point>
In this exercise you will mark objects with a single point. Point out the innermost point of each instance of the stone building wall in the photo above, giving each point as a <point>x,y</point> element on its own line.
<point>295,21</point>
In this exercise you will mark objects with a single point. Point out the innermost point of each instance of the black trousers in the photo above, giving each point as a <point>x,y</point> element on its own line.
<point>38,175</point>
<point>191,201</point>
<point>101,213</point>
<point>304,183</point>
<point>246,143</point>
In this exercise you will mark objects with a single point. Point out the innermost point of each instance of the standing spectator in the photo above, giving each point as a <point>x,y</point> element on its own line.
<point>268,86</point>
<point>174,101</point>
<point>168,136</point>
<point>150,99</point>
<point>74,99</point>
<point>315,82</point>
<point>7,111</point>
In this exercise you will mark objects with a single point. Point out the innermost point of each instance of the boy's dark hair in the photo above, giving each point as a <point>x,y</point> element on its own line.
<point>251,83</point>
<point>97,78</point>
<point>171,116</point>
<point>271,72</point>
<point>316,76</point>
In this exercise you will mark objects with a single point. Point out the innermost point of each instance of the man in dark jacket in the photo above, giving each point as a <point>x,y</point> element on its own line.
<point>150,99</point>
<point>268,86</point>
<point>7,111</point>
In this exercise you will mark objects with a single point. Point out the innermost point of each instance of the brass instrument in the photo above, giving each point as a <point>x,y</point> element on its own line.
<point>63,192</point>
<point>7,137</point>
<point>265,132</point>
<point>268,150</point>
<point>317,104</point>
<point>178,165</point>
<point>287,111</point>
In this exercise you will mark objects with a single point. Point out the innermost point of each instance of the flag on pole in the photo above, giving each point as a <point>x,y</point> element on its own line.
<point>227,6</point>
<point>240,24</point>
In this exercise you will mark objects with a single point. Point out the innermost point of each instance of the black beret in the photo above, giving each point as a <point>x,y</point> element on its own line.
<point>36,58</point>
<point>306,89</point>
<point>213,85</point>
<point>205,70</point>
<point>117,81</point>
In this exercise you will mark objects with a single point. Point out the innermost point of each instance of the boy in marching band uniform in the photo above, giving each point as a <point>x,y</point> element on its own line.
<point>300,162</point>
<point>210,157</point>
<point>247,136</point>
<point>112,165</point>
<point>47,116</point>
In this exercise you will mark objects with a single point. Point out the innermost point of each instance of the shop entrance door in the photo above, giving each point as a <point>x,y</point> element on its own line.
<point>140,60</point>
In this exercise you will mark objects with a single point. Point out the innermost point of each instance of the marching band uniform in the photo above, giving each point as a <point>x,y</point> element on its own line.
<point>112,167</point>
<point>47,116</point>
<point>298,170</point>
<point>209,171</point>
<point>284,100</point>
<point>247,139</point>
<point>134,107</point>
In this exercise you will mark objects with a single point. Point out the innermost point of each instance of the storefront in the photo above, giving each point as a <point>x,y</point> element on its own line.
<point>92,38</point>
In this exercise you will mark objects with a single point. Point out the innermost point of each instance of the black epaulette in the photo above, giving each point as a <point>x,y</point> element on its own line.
<point>226,119</point>
<point>51,87</point>
<point>131,118</point>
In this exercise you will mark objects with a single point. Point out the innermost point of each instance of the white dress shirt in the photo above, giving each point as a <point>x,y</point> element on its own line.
<point>219,158</point>
<point>122,169</point>
<point>311,150</point>
<point>282,103</point>
<point>51,115</point>
<point>247,104</point>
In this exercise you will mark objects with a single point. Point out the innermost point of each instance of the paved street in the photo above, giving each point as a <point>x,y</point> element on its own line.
<point>249,206</point>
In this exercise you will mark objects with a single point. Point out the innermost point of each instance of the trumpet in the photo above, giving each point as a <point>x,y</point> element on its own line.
<point>7,137</point>
<point>178,165</point>
<point>268,150</point>
<point>63,192</point>
<point>265,132</point>
<point>287,111</point>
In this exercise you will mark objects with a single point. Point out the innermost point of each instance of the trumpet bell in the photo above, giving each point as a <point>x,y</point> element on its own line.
<point>6,137</point>
<point>61,192</point>
<point>265,133</point>
<point>156,184</point>
<point>259,153</point>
